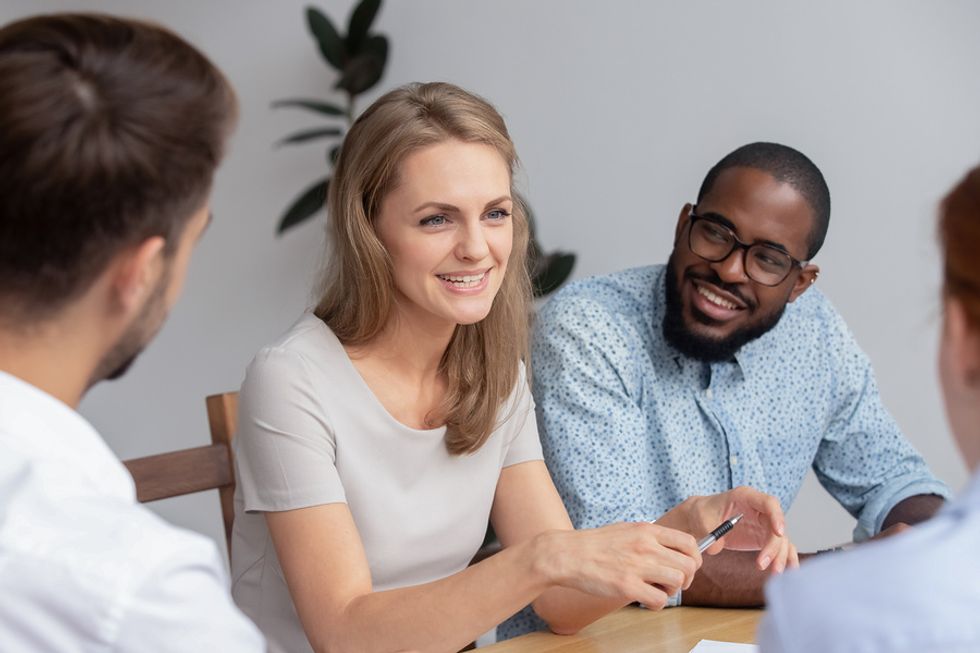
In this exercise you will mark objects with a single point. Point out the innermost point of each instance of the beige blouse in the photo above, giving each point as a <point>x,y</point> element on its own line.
<point>311,432</point>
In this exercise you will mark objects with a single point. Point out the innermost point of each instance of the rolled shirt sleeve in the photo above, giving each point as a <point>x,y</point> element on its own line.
<point>863,460</point>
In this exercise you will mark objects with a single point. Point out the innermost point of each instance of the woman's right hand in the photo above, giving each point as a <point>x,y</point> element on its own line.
<point>640,561</point>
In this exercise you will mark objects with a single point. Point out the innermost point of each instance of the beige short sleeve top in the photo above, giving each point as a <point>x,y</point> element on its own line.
<point>311,432</point>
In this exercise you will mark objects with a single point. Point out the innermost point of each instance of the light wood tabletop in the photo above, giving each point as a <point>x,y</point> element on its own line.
<point>633,629</point>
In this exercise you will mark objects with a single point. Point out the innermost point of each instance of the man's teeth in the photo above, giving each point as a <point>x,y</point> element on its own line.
<point>715,299</point>
<point>464,281</point>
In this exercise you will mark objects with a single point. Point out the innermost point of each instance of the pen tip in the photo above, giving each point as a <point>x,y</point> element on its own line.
<point>736,518</point>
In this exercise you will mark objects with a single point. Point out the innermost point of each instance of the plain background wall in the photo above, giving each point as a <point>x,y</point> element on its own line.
<point>617,109</point>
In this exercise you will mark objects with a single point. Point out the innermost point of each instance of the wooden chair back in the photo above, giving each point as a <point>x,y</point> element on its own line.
<point>187,471</point>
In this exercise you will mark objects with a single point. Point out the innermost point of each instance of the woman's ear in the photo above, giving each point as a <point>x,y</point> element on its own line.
<point>962,342</point>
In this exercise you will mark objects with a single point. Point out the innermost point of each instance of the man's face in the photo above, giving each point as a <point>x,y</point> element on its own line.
<point>147,323</point>
<point>714,308</point>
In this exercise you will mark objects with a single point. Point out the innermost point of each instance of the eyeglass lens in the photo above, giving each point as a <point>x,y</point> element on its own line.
<point>763,264</point>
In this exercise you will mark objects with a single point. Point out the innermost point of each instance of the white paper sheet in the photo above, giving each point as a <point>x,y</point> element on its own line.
<point>711,646</point>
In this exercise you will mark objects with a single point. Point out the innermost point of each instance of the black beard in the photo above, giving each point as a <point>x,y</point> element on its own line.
<point>702,348</point>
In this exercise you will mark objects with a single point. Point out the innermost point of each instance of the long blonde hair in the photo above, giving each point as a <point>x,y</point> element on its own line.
<point>482,360</point>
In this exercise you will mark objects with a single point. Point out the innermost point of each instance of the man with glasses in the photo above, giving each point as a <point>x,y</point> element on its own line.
<point>720,369</point>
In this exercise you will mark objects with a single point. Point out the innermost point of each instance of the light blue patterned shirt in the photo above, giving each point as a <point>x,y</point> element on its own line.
<point>630,427</point>
<point>918,592</point>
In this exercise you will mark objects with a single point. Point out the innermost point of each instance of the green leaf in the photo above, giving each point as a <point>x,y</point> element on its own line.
<point>553,270</point>
<point>327,38</point>
<point>313,105</point>
<point>310,134</point>
<point>364,70</point>
<point>360,23</point>
<point>305,206</point>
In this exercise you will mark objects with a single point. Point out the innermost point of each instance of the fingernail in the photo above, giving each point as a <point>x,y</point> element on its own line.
<point>765,562</point>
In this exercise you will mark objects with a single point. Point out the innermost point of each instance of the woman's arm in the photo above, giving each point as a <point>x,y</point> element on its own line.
<point>329,580</point>
<point>526,499</point>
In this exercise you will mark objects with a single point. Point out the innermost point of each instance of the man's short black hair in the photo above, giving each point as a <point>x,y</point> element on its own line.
<point>788,166</point>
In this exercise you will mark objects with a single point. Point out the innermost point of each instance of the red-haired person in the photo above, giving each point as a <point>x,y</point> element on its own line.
<point>920,590</point>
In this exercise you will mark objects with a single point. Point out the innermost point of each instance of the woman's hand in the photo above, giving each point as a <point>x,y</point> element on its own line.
<point>628,561</point>
<point>762,527</point>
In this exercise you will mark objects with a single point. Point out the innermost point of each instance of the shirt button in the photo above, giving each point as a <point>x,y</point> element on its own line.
<point>709,394</point>
<point>733,460</point>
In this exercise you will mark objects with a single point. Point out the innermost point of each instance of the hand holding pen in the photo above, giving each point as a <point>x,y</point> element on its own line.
<point>761,528</point>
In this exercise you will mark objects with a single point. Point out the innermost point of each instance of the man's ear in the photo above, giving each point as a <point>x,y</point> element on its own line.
<point>136,272</point>
<point>682,220</point>
<point>804,280</point>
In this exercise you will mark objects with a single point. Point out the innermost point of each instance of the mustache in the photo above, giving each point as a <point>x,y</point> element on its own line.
<point>715,280</point>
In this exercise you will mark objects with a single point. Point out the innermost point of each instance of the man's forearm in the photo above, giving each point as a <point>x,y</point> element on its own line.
<point>913,510</point>
<point>729,579</point>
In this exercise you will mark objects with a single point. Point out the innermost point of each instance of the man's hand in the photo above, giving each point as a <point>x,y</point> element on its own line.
<point>761,529</point>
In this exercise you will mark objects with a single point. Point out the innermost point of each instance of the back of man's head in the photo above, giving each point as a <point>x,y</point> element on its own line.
<point>110,132</point>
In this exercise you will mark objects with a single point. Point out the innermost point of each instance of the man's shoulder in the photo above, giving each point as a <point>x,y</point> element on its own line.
<point>101,547</point>
<point>628,293</point>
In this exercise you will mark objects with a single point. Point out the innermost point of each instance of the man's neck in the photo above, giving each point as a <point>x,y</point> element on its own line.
<point>51,359</point>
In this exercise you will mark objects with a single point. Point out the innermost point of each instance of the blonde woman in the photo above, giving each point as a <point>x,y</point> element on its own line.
<point>382,431</point>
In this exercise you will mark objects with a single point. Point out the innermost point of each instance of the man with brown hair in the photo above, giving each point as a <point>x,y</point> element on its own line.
<point>110,132</point>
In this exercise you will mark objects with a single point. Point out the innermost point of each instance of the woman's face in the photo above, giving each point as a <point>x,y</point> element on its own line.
<point>447,228</point>
<point>959,374</point>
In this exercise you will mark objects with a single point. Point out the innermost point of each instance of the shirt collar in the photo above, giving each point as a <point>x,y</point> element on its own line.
<point>43,428</point>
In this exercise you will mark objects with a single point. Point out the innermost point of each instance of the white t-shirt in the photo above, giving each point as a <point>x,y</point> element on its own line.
<point>83,566</point>
<point>311,432</point>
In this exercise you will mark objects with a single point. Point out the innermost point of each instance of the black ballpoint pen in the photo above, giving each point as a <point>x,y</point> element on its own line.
<point>718,533</point>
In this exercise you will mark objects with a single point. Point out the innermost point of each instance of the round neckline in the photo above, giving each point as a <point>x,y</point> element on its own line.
<point>351,370</point>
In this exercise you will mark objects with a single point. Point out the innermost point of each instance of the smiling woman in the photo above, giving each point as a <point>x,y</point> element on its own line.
<point>381,432</point>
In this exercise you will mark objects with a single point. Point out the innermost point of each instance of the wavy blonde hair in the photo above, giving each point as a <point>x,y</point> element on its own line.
<point>482,361</point>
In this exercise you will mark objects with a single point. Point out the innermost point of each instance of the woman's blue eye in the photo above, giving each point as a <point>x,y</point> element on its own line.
<point>498,214</point>
<point>433,221</point>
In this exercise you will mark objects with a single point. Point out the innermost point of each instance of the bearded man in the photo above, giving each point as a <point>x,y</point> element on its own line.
<point>724,367</point>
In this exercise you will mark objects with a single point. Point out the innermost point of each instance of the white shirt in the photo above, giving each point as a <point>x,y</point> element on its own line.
<point>918,592</point>
<point>311,432</point>
<point>83,566</point>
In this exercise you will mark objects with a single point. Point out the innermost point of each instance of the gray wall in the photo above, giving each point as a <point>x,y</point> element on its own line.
<point>617,109</point>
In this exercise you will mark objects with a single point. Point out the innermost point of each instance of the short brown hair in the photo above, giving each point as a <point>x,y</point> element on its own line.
<point>483,360</point>
<point>110,132</point>
<point>959,235</point>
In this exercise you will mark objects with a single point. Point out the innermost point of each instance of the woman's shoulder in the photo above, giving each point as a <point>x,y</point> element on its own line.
<point>307,348</point>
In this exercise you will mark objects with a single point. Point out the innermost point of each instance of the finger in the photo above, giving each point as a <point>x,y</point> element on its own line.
<point>669,579</point>
<point>716,548</point>
<point>763,504</point>
<point>769,552</point>
<point>685,564</point>
<point>794,557</point>
<point>652,598</point>
<point>677,540</point>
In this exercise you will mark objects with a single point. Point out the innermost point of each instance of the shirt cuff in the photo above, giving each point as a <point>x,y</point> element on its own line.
<point>876,510</point>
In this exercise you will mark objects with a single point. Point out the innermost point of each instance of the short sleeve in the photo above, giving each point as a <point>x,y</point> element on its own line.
<point>285,446</point>
<point>524,443</point>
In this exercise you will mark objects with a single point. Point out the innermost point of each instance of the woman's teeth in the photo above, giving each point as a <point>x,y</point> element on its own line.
<point>465,281</point>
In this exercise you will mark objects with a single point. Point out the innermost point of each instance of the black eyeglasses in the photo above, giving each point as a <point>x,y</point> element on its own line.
<point>715,242</point>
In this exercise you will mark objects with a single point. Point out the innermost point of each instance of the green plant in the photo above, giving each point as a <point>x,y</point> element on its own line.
<point>359,58</point>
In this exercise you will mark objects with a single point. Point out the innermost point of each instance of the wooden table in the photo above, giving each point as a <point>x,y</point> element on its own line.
<point>633,629</point>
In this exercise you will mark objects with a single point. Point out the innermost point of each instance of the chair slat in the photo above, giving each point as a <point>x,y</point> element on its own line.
<point>181,472</point>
